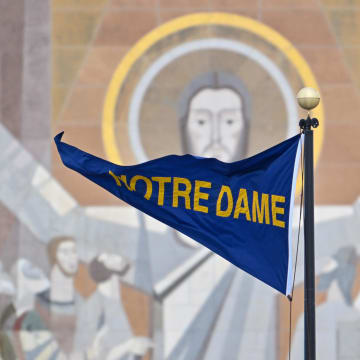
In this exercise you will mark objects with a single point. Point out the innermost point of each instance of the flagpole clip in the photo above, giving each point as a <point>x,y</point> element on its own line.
<point>308,123</point>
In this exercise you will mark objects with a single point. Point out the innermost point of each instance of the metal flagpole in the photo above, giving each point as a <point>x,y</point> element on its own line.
<point>308,99</point>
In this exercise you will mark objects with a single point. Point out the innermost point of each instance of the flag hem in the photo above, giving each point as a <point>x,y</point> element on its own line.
<point>289,284</point>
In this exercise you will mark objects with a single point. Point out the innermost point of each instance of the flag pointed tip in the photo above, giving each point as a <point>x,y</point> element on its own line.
<point>58,137</point>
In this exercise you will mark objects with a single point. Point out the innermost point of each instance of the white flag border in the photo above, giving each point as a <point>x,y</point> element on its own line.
<point>289,282</point>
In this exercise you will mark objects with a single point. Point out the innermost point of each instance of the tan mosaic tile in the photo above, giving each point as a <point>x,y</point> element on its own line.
<point>115,27</point>
<point>251,12</point>
<point>290,3</point>
<point>85,105</point>
<point>327,63</point>
<point>302,27</point>
<point>74,27</point>
<point>341,103</point>
<point>179,4</point>
<point>86,137</point>
<point>134,3</point>
<point>59,4</point>
<point>166,15</point>
<point>345,24</point>
<point>341,3</point>
<point>100,64</point>
<point>170,14</point>
<point>66,64</point>
<point>58,97</point>
<point>341,144</point>
<point>234,4</point>
<point>352,55</point>
<point>344,187</point>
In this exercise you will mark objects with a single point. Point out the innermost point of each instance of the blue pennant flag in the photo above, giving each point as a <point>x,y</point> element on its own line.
<point>241,210</point>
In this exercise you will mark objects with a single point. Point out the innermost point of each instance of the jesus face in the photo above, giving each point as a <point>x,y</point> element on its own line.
<point>215,124</point>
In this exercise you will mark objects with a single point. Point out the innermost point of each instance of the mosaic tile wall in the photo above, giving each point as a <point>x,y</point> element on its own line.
<point>82,275</point>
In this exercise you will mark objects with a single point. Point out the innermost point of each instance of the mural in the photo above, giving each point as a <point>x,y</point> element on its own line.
<point>83,275</point>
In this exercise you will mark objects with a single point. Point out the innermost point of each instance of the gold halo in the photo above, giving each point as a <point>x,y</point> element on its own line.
<point>202,19</point>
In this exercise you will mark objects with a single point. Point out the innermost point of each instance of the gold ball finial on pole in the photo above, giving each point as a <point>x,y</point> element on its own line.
<point>308,98</point>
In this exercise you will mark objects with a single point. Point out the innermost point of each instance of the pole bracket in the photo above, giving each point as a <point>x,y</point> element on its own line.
<point>308,123</point>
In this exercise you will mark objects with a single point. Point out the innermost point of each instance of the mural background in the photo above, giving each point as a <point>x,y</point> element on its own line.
<point>82,275</point>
